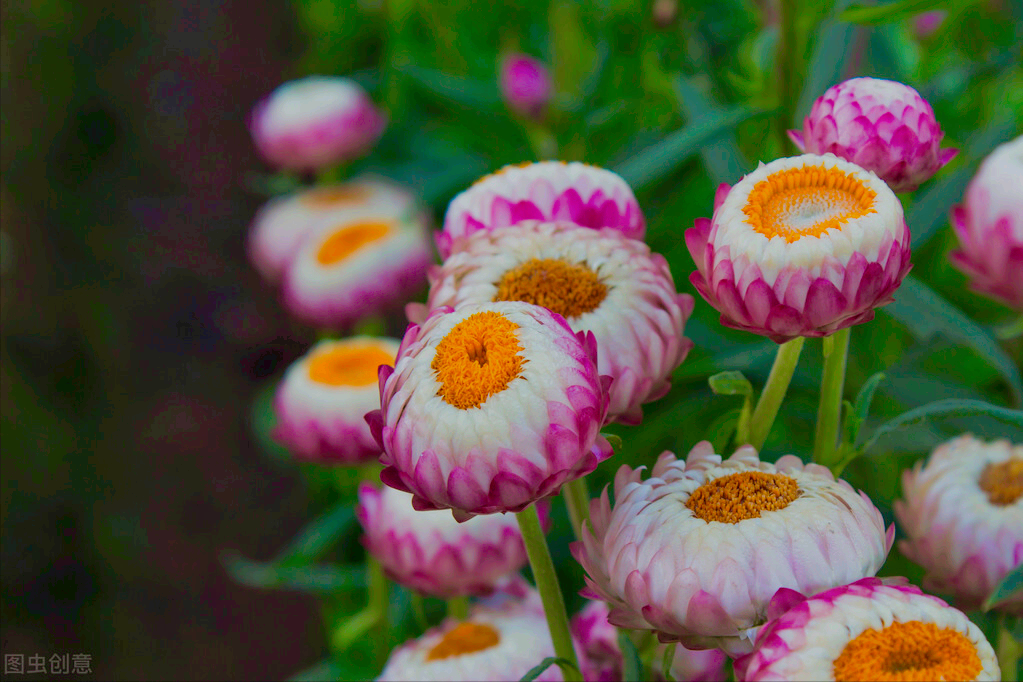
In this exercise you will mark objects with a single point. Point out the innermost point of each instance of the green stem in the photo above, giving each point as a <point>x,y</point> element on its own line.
<point>577,500</point>
<point>550,591</point>
<point>785,67</point>
<point>669,658</point>
<point>1011,330</point>
<point>458,607</point>
<point>330,175</point>
<point>1009,651</point>
<point>774,392</point>
<point>379,600</point>
<point>825,440</point>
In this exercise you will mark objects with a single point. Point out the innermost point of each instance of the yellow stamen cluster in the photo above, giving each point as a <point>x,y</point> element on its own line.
<point>350,365</point>
<point>564,288</point>
<point>326,197</point>
<point>465,638</point>
<point>1003,482</point>
<point>803,192</point>
<point>476,359</point>
<point>349,238</point>
<point>908,652</point>
<point>737,497</point>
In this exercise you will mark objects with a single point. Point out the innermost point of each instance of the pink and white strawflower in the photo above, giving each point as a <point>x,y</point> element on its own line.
<point>314,122</point>
<point>548,190</point>
<point>696,551</point>
<point>989,224</point>
<point>281,225</point>
<point>883,630</point>
<point>883,126</point>
<point>362,264</point>
<point>430,552</point>
<point>802,246</point>
<point>962,514</point>
<point>525,85</point>
<point>601,659</point>
<point>490,408</point>
<point>600,281</point>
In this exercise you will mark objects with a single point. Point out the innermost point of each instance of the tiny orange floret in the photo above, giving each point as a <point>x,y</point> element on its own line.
<point>741,496</point>
<point>348,365</point>
<point>349,238</point>
<point>465,638</point>
<point>476,359</point>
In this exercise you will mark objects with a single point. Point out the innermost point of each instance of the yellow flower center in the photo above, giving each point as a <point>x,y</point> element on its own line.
<point>476,359</point>
<point>339,195</point>
<point>348,365</point>
<point>346,240</point>
<point>807,201</point>
<point>465,638</point>
<point>1003,482</point>
<point>737,497</point>
<point>906,652</point>
<point>567,289</point>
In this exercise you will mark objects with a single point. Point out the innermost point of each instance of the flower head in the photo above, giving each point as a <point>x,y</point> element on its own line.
<point>601,659</point>
<point>962,514</point>
<point>361,264</point>
<point>322,402</point>
<point>430,552</point>
<point>490,408</point>
<point>868,630</point>
<point>494,643</point>
<point>884,126</point>
<point>600,281</point>
<point>281,226</point>
<point>989,224</point>
<point>801,246</point>
<point>549,190</point>
<point>696,551</point>
<point>525,85</point>
<point>315,122</point>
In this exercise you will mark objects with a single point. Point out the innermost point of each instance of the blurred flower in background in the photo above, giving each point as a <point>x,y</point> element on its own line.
<point>525,84</point>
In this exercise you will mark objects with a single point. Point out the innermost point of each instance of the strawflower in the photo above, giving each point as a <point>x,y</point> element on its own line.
<point>525,85</point>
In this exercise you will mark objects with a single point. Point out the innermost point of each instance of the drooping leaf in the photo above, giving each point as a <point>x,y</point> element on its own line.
<point>1011,586</point>
<point>947,409</point>
<point>461,89</point>
<point>317,578</point>
<point>537,670</point>
<point>730,383</point>
<point>721,157</point>
<point>861,407</point>
<point>317,537</point>
<point>324,671</point>
<point>614,440</point>
<point>926,313</point>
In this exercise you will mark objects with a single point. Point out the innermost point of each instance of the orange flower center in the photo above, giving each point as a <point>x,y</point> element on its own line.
<point>476,359</point>
<point>737,497</point>
<point>906,652</point>
<point>465,638</point>
<point>564,288</point>
<point>1003,482</point>
<point>348,365</point>
<point>807,201</point>
<point>338,195</point>
<point>348,239</point>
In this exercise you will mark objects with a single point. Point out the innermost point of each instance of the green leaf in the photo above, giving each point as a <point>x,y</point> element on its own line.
<point>614,440</point>
<point>721,157</point>
<point>861,407</point>
<point>546,663</point>
<point>317,578</point>
<point>892,11</point>
<point>324,671</point>
<point>829,56</point>
<point>946,408</point>
<point>930,210</point>
<point>1010,586</point>
<point>633,667</point>
<point>465,91</point>
<point>730,382</point>
<point>263,419</point>
<point>721,430</point>
<point>657,161</point>
<point>317,537</point>
<point>926,313</point>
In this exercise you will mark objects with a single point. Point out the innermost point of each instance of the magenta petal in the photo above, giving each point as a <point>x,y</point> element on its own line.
<point>696,241</point>
<point>797,139</point>
<point>946,155</point>
<point>824,303</point>
<point>784,324</point>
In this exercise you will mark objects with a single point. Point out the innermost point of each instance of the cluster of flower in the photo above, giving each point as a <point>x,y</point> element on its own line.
<point>549,317</point>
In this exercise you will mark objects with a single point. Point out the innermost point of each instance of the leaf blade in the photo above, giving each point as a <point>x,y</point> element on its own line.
<point>951,407</point>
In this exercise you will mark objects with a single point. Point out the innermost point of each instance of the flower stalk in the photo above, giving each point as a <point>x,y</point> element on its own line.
<point>1008,650</point>
<point>458,607</point>
<point>774,392</point>
<point>577,500</point>
<point>825,441</point>
<point>550,591</point>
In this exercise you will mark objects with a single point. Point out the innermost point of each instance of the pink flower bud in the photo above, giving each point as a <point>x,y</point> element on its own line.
<point>525,85</point>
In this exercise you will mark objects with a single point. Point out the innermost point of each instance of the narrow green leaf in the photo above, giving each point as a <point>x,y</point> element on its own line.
<point>317,537</point>
<point>263,420</point>
<point>324,671</point>
<point>544,664</point>
<point>721,430</point>
<point>861,408</point>
<point>947,409</point>
<point>888,12</point>
<point>633,668</point>
<point>1010,586</point>
<point>662,158</point>
<point>721,157</point>
<point>730,382</point>
<point>614,440</point>
<point>926,313</point>
<point>318,578</point>
<point>830,52</point>
<point>465,91</point>
<point>930,210</point>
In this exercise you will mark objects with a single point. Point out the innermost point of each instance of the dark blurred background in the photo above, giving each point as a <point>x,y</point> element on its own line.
<point>134,334</point>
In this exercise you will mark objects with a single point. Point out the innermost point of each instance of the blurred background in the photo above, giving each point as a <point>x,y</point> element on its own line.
<point>139,348</point>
